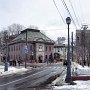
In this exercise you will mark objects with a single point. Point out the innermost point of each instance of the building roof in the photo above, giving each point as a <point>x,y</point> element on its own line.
<point>59,45</point>
<point>79,31</point>
<point>33,35</point>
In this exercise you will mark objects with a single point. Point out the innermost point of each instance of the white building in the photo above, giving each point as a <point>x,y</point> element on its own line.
<point>61,50</point>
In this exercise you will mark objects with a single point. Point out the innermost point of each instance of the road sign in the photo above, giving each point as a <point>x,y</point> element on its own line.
<point>25,49</point>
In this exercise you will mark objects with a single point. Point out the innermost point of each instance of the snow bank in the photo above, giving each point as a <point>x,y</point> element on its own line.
<point>81,85</point>
<point>80,70</point>
<point>11,70</point>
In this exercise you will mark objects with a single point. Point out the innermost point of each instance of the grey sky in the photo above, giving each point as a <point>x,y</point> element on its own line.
<point>43,14</point>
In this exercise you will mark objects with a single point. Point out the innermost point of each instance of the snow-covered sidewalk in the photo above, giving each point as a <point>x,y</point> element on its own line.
<point>80,85</point>
<point>12,70</point>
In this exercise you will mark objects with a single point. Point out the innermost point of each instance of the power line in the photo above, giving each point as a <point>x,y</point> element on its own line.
<point>82,13</point>
<point>79,17</point>
<point>55,29</point>
<point>68,12</point>
<point>59,12</point>
<point>74,12</point>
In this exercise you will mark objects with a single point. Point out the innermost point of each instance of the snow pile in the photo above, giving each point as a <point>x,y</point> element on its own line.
<point>81,85</point>
<point>60,80</point>
<point>80,70</point>
<point>11,70</point>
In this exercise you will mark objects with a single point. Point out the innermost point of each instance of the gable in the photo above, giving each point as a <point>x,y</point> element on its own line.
<point>40,39</point>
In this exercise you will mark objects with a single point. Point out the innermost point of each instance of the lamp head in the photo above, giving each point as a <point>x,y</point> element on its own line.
<point>68,20</point>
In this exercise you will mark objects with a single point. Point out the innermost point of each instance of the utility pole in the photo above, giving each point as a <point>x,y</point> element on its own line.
<point>72,46</point>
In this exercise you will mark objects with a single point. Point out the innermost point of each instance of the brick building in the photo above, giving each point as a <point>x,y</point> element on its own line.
<point>83,46</point>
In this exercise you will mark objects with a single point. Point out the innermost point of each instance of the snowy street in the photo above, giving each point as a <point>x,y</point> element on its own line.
<point>80,84</point>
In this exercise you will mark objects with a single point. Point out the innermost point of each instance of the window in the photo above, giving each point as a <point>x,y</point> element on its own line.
<point>45,56</point>
<point>49,48</point>
<point>11,48</point>
<point>78,38</point>
<point>8,48</point>
<point>40,47</point>
<point>11,56</point>
<point>19,46</point>
<point>14,47</point>
<point>30,47</point>
<point>61,49</point>
<point>46,48</point>
<point>58,50</point>
<point>65,49</point>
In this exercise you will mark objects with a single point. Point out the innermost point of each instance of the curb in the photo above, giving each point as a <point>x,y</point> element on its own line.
<point>60,80</point>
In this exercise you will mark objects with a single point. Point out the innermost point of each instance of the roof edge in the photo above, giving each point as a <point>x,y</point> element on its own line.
<point>29,29</point>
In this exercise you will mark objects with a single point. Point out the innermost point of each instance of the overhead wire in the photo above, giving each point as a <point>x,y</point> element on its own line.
<point>82,14</point>
<point>79,14</point>
<point>74,12</point>
<point>56,29</point>
<point>59,12</point>
<point>69,13</point>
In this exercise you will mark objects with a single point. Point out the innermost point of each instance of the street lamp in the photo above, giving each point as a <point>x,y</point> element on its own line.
<point>6,41</point>
<point>68,75</point>
<point>26,50</point>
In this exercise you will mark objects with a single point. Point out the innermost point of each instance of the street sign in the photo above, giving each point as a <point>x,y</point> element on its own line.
<point>25,49</point>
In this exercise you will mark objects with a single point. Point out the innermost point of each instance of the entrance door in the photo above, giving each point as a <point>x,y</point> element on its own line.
<point>40,58</point>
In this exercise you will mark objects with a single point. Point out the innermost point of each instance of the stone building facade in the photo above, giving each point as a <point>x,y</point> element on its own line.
<point>39,46</point>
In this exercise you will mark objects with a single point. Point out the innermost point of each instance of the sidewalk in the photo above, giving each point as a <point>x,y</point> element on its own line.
<point>35,64</point>
<point>38,64</point>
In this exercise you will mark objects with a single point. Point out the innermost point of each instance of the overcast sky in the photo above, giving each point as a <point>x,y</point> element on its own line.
<point>44,15</point>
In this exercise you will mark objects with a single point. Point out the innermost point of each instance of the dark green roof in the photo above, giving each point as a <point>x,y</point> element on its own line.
<point>33,35</point>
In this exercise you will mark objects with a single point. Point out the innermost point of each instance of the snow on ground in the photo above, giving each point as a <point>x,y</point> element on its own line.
<point>81,85</point>
<point>80,70</point>
<point>11,70</point>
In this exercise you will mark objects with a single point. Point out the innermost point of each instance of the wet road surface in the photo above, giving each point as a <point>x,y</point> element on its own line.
<point>31,79</point>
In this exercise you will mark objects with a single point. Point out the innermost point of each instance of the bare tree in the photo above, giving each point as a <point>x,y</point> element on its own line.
<point>33,27</point>
<point>15,29</point>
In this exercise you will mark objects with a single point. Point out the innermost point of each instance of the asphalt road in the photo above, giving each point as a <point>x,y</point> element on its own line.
<point>31,78</point>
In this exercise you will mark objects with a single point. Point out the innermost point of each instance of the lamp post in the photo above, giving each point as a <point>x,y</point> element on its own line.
<point>68,75</point>
<point>26,51</point>
<point>6,57</point>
